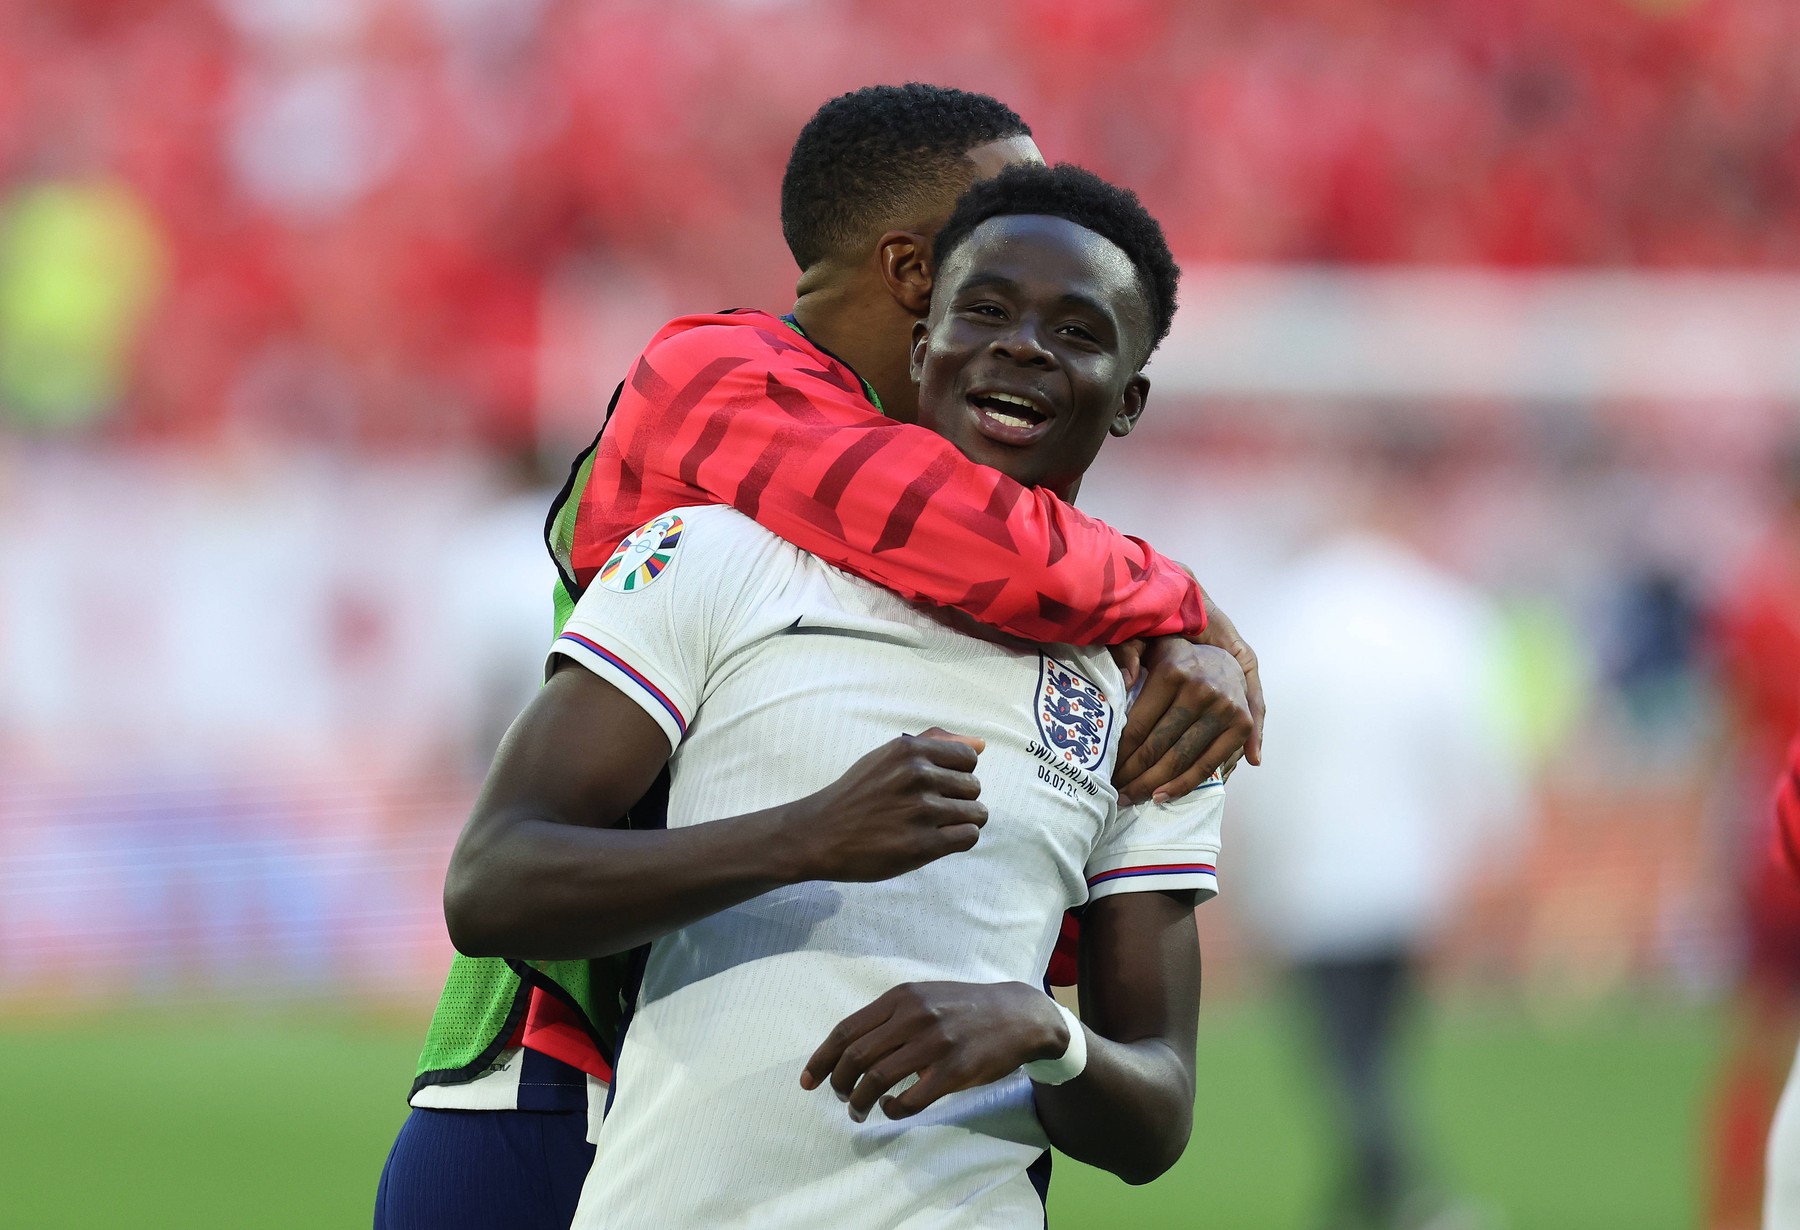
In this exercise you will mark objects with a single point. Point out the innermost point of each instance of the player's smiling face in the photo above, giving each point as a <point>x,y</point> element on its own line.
<point>1030,356</point>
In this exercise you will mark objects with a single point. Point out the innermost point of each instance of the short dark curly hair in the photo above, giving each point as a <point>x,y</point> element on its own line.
<point>877,156</point>
<point>1072,192</point>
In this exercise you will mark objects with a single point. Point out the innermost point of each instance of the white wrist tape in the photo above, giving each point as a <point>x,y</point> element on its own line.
<point>1070,1063</point>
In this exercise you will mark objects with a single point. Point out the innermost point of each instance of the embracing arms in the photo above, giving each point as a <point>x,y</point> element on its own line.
<point>542,873</point>
<point>737,409</point>
<point>1199,711</point>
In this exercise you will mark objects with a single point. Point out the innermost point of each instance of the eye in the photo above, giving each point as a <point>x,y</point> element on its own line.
<point>1081,332</point>
<point>991,310</point>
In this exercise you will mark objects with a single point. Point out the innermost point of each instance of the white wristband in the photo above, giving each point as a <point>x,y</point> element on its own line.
<point>1070,1063</point>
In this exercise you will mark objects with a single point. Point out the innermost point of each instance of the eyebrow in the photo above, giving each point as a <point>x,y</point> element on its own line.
<point>998,281</point>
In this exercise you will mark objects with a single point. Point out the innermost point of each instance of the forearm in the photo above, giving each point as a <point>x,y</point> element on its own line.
<point>1044,571</point>
<point>531,887</point>
<point>542,873</point>
<point>1130,1111</point>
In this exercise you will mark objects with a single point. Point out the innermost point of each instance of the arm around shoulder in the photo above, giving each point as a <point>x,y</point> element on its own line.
<point>790,440</point>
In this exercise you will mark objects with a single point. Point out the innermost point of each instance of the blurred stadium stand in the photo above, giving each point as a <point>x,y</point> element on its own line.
<point>340,220</point>
<point>294,294</point>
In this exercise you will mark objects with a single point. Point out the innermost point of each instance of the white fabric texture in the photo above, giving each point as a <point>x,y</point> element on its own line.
<point>495,1089</point>
<point>597,1091</point>
<point>783,672</point>
<point>498,1089</point>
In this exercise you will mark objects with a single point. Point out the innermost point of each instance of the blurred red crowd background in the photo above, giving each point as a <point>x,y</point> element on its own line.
<point>337,218</point>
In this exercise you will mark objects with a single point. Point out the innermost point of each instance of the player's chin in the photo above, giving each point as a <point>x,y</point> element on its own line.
<point>1019,462</point>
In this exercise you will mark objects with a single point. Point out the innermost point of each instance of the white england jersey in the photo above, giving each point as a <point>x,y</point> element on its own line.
<point>772,673</point>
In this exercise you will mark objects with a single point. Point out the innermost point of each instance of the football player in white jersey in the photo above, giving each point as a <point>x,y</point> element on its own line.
<point>817,913</point>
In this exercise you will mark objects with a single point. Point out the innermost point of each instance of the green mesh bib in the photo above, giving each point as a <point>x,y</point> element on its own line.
<point>485,998</point>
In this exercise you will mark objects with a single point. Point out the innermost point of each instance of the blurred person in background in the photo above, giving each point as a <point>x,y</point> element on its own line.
<point>1756,634</point>
<point>1396,776</point>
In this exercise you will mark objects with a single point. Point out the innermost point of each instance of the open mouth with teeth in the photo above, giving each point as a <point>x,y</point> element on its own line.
<point>1008,418</point>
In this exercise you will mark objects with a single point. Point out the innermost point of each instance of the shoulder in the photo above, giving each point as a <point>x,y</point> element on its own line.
<point>692,343</point>
<point>700,537</point>
<point>708,551</point>
<point>702,576</point>
<point>723,528</point>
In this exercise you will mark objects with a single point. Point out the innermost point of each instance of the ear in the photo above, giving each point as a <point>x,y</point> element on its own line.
<point>920,343</point>
<point>1131,405</point>
<point>904,258</point>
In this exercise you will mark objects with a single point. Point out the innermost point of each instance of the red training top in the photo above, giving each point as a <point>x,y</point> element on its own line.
<point>738,408</point>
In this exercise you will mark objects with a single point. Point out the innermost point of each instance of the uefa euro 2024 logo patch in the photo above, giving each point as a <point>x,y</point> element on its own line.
<point>1072,715</point>
<point>643,555</point>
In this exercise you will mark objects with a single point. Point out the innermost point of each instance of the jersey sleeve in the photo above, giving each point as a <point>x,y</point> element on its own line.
<point>664,608</point>
<point>1157,847</point>
<point>744,416</point>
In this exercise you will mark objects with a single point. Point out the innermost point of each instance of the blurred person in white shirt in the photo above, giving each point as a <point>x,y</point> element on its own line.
<point>1395,778</point>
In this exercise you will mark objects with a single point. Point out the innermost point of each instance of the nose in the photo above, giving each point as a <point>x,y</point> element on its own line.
<point>1024,344</point>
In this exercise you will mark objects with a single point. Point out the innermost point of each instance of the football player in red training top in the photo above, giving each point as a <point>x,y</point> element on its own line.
<point>800,422</point>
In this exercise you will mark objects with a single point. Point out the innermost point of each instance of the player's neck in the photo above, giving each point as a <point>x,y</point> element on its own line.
<point>867,330</point>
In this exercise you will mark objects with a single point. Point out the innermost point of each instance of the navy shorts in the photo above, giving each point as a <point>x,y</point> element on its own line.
<point>485,1170</point>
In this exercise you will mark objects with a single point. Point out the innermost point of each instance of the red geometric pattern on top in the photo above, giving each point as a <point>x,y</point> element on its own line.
<point>736,408</point>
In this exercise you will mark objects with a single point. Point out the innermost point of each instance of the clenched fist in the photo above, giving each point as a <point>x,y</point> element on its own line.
<point>909,802</point>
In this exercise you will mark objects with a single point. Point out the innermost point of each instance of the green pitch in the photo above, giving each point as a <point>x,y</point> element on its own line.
<point>228,1120</point>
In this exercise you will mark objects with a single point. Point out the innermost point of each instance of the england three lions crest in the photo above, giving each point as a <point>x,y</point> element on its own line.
<point>1072,715</point>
